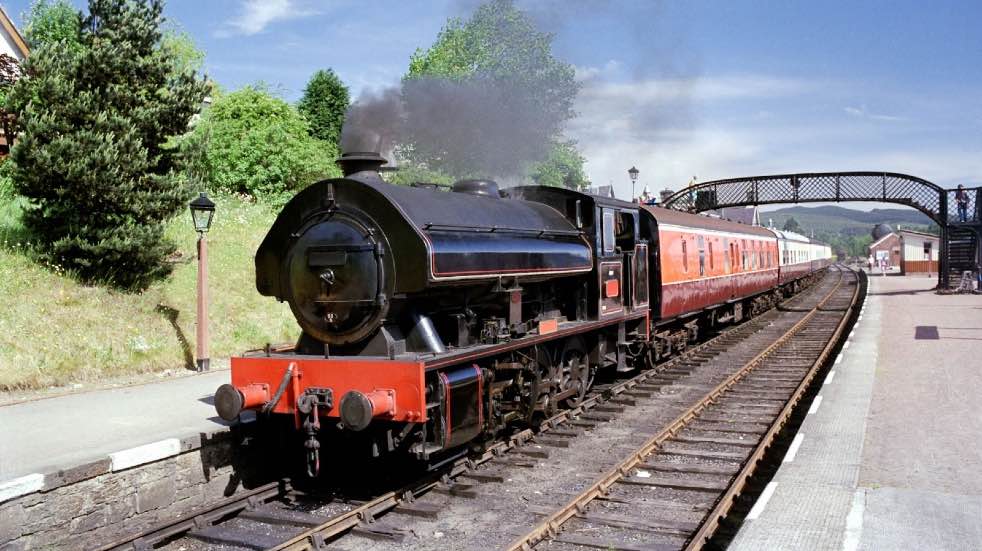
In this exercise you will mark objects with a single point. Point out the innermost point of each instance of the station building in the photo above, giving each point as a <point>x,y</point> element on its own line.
<point>913,252</point>
<point>919,252</point>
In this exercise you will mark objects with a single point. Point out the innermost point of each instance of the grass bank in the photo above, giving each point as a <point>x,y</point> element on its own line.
<point>56,331</point>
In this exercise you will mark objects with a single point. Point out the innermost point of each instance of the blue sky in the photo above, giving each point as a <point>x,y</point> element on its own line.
<point>679,89</point>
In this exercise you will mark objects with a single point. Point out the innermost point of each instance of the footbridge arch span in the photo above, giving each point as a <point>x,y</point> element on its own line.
<point>815,187</point>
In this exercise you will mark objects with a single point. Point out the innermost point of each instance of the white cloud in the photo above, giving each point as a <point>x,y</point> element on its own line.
<point>256,15</point>
<point>862,113</point>
<point>609,69</point>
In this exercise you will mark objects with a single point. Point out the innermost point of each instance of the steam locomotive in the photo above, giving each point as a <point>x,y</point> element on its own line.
<point>432,319</point>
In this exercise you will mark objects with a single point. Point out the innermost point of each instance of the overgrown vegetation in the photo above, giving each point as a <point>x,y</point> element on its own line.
<point>92,160</point>
<point>56,331</point>
<point>251,142</point>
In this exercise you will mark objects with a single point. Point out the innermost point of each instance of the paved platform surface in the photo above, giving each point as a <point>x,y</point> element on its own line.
<point>64,431</point>
<point>891,457</point>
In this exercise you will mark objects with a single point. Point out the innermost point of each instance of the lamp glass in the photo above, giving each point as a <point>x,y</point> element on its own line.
<point>202,219</point>
<point>202,210</point>
<point>633,172</point>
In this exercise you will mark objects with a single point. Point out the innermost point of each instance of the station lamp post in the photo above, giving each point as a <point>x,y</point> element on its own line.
<point>202,210</point>
<point>633,173</point>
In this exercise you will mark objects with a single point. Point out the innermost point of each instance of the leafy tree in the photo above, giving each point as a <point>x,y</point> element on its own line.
<point>523,94</point>
<point>251,142</point>
<point>92,159</point>
<point>324,102</point>
<point>181,50</point>
<point>562,168</point>
<point>50,22</point>
<point>791,225</point>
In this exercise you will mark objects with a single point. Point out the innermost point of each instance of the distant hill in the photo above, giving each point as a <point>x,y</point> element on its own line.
<point>830,218</point>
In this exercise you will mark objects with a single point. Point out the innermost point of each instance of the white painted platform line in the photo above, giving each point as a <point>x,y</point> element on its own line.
<point>838,359</point>
<point>829,378</point>
<point>21,486</point>
<point>854,521</point>
<point>852,333</point>
<point>144,454</point>
<point>793,448</point>
<point>845,346</point>
<point>815,404</point>
<point>761,503</point>
<point>859,319</point>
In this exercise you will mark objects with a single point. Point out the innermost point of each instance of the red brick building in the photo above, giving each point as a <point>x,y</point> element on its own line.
<point>887,246</point>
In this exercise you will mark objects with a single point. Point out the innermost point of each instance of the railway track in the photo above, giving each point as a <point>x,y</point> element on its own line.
<point>708,442</point>
<point>695,468</point>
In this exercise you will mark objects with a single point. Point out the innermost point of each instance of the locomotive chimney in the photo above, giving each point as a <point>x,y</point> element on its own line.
<point>360,151</point>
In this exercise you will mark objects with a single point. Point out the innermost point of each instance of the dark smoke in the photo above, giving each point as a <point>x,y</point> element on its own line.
<point>479,127</point>
<point>373,123</point>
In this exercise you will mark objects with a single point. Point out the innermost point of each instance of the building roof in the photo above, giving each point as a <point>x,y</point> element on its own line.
<point>919,234</point>
<point>882,239</point>
<point>741,215</point>
<point>12,35</point>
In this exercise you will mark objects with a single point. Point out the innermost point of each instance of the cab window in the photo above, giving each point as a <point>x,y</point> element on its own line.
<point>608,231</point>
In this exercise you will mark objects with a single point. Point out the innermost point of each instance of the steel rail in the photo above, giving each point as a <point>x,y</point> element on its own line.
<point>551,525</point>
<point>723,506</point>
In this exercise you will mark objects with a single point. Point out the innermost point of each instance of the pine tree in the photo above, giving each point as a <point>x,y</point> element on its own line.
<point>324,102</point>
<point>93,159</point>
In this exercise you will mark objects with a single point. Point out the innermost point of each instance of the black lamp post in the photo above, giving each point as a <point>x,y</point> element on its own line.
<point>633,173</point>
<point>202,211</point>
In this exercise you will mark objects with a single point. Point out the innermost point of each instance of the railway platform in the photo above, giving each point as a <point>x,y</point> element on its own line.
<point>889,454</point>
<point>64,432</point>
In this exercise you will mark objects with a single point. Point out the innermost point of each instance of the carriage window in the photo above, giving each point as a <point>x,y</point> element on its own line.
<point>608,235</point>
<point>711,268</point>
<point>685,258</point>
<point>743,254</point>
<point>726,255</point>
<point>702,255</point>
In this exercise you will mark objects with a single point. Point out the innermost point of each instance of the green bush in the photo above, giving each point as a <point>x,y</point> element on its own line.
<point>251,142</point>
<point>91,159</point>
